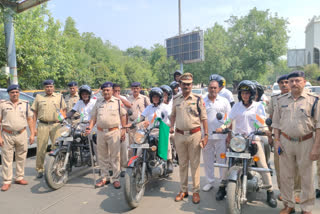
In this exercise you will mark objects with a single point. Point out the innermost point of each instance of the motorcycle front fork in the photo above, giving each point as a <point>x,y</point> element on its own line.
<point>243,198</point>
<point>144,165</point>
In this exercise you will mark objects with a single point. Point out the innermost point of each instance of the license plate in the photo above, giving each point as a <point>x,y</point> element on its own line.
<point>238,155</point>
<point>139,146</point>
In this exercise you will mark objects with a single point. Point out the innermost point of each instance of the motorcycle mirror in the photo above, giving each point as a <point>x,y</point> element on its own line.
<point>129,112</point>
<point>219,116</point>
<point>269,121</point>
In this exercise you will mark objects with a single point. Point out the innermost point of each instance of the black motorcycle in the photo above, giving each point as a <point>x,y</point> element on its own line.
<point>74,150</point>
<point>144,165</point>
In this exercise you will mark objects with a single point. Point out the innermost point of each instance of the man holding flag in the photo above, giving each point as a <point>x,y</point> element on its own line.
<point>48,109</point>
<point>217,142</point>
<point>249,116</point>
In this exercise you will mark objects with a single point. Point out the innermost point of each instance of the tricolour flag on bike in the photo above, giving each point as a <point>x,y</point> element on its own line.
<point>259,122</point>
<point>163,139</point>
<point>61,115</point>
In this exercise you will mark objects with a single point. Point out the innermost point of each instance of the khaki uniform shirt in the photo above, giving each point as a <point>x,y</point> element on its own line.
<point>138,105</point>
<point>70,102</point>
<point>293,117</point>
<point>106,113</point>
<point>272,104</point>
<point>47,107</point>
<point>14,118</point>
<point>186,112</point>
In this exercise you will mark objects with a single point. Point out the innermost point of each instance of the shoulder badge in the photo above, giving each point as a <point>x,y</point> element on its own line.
<point>282,95</point>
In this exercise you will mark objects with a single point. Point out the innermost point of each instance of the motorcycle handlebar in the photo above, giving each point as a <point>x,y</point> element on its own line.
<point>224,131</point>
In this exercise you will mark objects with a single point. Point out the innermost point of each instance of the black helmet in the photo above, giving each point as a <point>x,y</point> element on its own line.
<point>156,91</point>
<point>174,85</point>
<point>177,72</point>
<point>84,88</point>
<point>259,88</point>
<point>168,90</point>
<point>247,85</point>
<point>219,79</point>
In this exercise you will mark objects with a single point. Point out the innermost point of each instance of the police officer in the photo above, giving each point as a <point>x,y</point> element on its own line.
<point>71,99</point>
<point>46,109</point>
<point>284,87</point>
<point>294,137</point>
<point>138,103</point>
<point>223,91</point>
<point>107,114</point>
<point>188,112</point>
<point>15,116</point>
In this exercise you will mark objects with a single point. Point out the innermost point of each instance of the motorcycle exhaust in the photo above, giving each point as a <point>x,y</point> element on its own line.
<point>257,169</point>
<point>220,165</point>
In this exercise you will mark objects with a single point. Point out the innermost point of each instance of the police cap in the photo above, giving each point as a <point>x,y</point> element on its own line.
<point>107,85</point>
<point>72,83</point>
<point>48,82</point>
<point>186,78</point>
<point>283,77</point>
<point>13,87</point>
<point>296,74</point>
<point>135,84</point>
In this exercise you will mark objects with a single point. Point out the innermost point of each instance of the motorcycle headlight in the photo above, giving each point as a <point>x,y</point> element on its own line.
<point>65,131</point>
<point>139,137</point>
<point>238,144</point>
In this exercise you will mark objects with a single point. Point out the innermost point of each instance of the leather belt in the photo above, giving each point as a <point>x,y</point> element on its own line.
<point>297,139</point>
<point>48,123</point>
<point>14,132</point>
<point>107,130</point>
<point>192,131</point>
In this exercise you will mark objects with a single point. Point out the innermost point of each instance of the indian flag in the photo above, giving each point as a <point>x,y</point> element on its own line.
<point>258,122</point>
<point>61,115</point>
<point>226,119</point>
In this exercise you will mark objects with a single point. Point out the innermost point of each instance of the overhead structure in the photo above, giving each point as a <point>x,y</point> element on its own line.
<point>10,7</point>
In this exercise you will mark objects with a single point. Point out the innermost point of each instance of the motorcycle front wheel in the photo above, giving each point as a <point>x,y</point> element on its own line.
<point>134,186</point>
<point>54,175</point>
<point>233,197</point>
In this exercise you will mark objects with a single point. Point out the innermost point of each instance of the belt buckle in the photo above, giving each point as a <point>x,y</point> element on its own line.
<point>295,139</point>
<point>105,130</point>
<point>186,132</point>
<point>15,132</point>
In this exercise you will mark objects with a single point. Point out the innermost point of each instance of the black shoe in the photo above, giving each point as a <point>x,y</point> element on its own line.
<point>271,199</point>
<point>110,172</point>
<point>170,167</point>
<point>221,193</point>
<point>40,175</point>
<point>317,193</point>
<point>122,174</point>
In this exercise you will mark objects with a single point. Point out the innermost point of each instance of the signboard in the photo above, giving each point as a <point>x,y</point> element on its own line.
<point>186,48</point>
<point>296,58</point>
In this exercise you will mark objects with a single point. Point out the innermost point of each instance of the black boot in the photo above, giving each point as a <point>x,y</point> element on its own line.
<point>170,166</point>
<point>221,193</point>
<point>271,199</point>
<point>317,193</point>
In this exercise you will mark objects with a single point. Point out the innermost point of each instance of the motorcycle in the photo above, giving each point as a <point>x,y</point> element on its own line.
<point>243,175</point>
<point>144,165</point>
<point>74,150</point>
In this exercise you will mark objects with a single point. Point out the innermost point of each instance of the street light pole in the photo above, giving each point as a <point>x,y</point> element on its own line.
<point>181,61</point>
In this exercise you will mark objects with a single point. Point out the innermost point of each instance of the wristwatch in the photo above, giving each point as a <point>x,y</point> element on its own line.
<point>206,134</point>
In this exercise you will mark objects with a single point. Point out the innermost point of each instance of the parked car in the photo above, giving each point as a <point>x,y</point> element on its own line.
<point>200,91</point>
<point>315,89</point>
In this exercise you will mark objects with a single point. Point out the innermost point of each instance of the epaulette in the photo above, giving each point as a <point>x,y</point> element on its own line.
<point>176,96</point>
<point>196,95</point>
<point>282,95</point>
<point>312,94</point>
<point>275,95</point>
<point>25,101</point>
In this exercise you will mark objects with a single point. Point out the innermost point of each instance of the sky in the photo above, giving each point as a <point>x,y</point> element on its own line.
<point>127,23</point>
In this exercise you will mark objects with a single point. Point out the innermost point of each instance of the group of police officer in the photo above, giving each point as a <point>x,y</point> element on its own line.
<point>191,118</point>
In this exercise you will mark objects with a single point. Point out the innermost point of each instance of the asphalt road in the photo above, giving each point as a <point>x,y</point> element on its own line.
<point>78,196</point>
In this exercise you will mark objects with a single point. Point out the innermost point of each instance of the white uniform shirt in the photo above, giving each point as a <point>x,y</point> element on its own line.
<point>220,105</point>
<point>153,112</point>
<point>245,118</point>
<point>85,110</point>
<point>227,94</point>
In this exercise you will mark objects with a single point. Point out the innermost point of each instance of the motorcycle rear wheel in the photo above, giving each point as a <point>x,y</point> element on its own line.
<point>53,175</point>
<point>134,191</point>
<point>233,205</point>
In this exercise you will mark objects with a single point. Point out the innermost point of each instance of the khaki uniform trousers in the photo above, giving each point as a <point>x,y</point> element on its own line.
<point>44,131</point>
<point>19,145</point>
<point>124,153</point>
<point>297,178</point>
<point>188,149</point>
<point>108,145</point>
<point>296,153</point>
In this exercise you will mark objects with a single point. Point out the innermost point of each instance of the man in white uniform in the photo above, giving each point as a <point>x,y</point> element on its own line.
<point>217,142</point>
<point>223,91</point>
